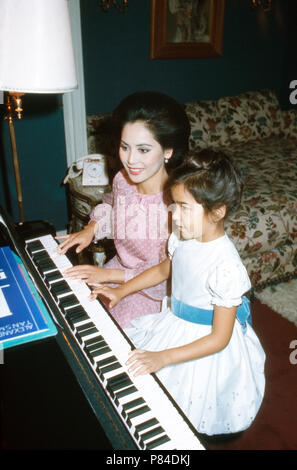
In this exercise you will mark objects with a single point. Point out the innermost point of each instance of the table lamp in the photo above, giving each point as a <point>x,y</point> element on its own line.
<point>36,56</point>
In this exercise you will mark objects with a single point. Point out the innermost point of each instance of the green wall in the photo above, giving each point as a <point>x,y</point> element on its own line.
<point>258,52</point>
<point>116,54</point>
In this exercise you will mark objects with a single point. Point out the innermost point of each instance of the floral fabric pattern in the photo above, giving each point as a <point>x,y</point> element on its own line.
<point>264,229</point>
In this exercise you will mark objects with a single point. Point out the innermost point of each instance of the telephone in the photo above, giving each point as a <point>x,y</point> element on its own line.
<point>93,169</point>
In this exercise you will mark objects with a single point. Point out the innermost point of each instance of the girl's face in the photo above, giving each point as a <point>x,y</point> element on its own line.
<point>188,215</point>
<point>142,156</point>
<point>192,221</point>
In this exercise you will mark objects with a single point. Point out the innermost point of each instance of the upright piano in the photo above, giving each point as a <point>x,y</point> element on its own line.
<point>72,389</point>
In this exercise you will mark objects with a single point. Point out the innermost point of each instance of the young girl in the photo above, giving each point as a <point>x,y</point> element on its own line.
<point>201,345</point>
<point>151,131</point>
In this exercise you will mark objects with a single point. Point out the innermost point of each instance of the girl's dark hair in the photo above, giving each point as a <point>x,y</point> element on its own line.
<point>162,115</point>
<point>211,178</point>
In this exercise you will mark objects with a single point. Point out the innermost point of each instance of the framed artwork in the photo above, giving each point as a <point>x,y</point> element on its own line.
<point>186,29</point>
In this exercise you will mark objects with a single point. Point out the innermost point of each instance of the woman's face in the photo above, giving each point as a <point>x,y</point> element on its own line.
<point>142,156</point>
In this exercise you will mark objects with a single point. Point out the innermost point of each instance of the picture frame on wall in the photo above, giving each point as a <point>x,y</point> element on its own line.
<point>186,29</point>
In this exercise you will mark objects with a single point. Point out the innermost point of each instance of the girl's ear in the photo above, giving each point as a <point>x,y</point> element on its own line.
<point>219,213</point>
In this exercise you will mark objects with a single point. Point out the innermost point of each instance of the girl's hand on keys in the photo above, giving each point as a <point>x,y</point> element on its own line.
<point>112,294</point>
<point>145,362</point>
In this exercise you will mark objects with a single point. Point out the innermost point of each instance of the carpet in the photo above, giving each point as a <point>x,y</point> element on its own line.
<point>282,298</point>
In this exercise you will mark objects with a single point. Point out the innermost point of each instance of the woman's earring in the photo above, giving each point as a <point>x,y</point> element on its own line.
<point>166,160</point>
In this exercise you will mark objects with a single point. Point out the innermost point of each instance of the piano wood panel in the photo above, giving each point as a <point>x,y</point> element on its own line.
<point>48,404</point>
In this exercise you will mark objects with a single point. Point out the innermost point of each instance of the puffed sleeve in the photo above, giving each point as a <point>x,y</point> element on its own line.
<point>172,245</point>
<point>228,283</point>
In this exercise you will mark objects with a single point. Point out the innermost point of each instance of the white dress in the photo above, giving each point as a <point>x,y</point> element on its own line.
<point>220,393</point>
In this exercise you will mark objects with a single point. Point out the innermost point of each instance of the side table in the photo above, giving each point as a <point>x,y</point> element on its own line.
<point>81,200</point>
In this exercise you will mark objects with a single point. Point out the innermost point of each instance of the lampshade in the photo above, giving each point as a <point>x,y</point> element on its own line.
<point>36,54</point>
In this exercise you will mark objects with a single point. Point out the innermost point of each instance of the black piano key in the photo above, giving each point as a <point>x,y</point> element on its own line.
<point>138,411</point>
<point>92,349</point>
<point>85,326</point>
<point>85,330</point>
<point>146,424</point>
<point>34,246</point>
<point>109,368</point>
<point>59,288</point>
<point>119,378</point>
<point>118,382</point>
<point>75,315</point>
<point>45,265</point>
<point>106,361</point>
<point>41,254</point>
<point>99,352</point>
<point>68,301</point>
<point>76,310</point>
<point>124,393</point>
<point>157,442</point>
<point>41,258</point>
<point>93,341</point>
<point>152,433</point>
<point>131,404</point>
<point>52,276</point>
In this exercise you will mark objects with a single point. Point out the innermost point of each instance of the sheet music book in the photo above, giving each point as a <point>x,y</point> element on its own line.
<point>23,315</point>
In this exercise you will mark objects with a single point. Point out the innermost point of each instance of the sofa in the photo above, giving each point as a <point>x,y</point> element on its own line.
<point>262,139</point>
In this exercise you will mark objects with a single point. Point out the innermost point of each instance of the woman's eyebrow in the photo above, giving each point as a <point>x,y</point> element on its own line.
<point>141,145</point>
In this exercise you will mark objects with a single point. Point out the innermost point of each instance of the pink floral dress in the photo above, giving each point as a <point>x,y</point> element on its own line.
<point>139,225</point>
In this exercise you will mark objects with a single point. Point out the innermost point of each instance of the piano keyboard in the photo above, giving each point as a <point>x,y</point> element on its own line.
<point>151,418</point>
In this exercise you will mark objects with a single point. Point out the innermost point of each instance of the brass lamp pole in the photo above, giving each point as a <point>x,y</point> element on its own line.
<point>14,104</point>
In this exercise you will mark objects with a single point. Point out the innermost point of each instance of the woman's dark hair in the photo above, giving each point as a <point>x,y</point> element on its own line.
<point>211,178</point>
<point>162,115</point>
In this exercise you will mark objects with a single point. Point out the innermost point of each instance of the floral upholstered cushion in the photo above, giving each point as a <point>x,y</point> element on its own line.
<point>250,115</point>
<point>264,229</point>
<point>289,123</point>
<point>207,128</point>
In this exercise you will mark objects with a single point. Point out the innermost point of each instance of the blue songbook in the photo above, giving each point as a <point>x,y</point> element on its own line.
<point>23,315</point>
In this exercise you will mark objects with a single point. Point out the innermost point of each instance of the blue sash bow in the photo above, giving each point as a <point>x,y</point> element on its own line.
<point>205,317</point>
